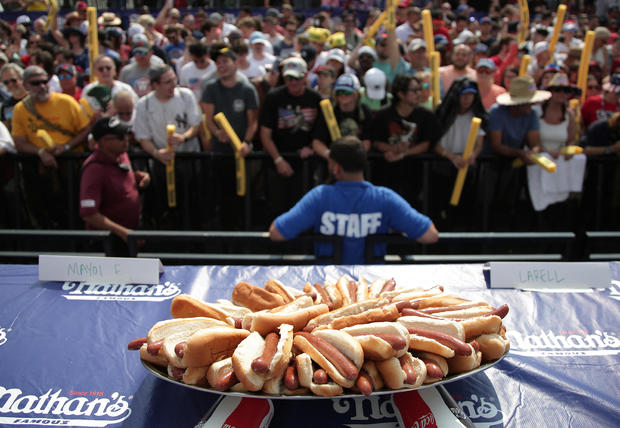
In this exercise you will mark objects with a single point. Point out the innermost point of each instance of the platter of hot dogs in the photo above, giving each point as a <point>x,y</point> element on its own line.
<point>344,338</point>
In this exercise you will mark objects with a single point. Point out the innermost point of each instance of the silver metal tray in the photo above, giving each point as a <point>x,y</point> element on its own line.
<point>162,374</point>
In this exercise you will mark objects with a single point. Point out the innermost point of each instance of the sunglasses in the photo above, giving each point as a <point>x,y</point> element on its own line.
<point>64,76</point>
<point>124,113</point>
<point>343,92</point>
<point>565,90</point>
<point>417,89</point>
<point>485,71</point>
<point>8,82</point>
<point>104,68</point>
<point>292,79</point>
<point>37,82</point>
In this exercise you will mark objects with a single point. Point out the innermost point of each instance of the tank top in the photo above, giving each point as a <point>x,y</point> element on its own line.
<point>553,137</point>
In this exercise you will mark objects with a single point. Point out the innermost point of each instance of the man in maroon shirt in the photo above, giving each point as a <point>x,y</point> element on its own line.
<point>109,198</point>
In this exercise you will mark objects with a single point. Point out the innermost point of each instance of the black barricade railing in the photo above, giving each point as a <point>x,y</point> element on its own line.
<point>25,244</point>
<point>602,245</point>
<point>230,248</point>
<point>469,247</point>
<point>196,211</point>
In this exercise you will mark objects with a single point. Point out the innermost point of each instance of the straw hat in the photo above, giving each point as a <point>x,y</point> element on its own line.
<point>560,81</point>
<point>522,91</point>
<point>109,19</point>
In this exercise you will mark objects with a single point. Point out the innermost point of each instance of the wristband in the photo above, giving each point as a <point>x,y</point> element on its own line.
<point>41,151</point>
<point>607,150</point>
<point>327,152</point>
<point>278,160</point>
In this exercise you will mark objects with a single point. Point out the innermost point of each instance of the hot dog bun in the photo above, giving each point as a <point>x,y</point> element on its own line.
<point>186,306</point>
<point>212,344</point>
<point>395,377</point>
<point>327,318</point>
<point>492,346</point>
<point>219,368</point>
<point>460,364</point>
<point>437,360</point>
<point>296,313</point>
<point>478,326</point>
<point>450,327</point>
<point>383,313</point>
<point>288,294</point>
<point>255,298</point>
<point>305,372</point>
<point>376,348</point>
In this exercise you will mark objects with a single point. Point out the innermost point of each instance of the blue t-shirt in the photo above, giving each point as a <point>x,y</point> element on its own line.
<point>514,129</point>
<point>354,210</point>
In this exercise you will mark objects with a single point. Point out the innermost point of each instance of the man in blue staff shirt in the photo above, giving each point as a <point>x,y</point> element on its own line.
<point>352,208</point>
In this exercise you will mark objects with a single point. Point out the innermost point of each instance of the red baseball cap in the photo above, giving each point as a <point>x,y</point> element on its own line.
<point>81,5</point>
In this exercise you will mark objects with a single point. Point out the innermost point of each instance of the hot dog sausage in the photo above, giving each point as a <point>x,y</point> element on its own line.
<point>352,286</point>
<point>324,296</point>
<point>136,344</point>
<point>261,364</point>
<point>364,384</point>
<point>388,286</point>
<point>155,347</point>
<point>342,363</point>
<point>458,346</point>
<point>397,342</point>
<point>291,380</point>
<point>410,375</point>
<point>226,381</point>
<point>179,349</point>
<point>432,369</point>
<point>320,377</point>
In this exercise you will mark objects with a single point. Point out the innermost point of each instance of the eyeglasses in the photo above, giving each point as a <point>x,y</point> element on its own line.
<point>291,78</point>
<point>565,90</point>
<point>416,89</point>
<point>64,76</point>
<point>8,82</point>
<point>140,53</point>
<point>104,68</point>
<point>124,113</point>
<point>37,82</point>
<point>343,92</point>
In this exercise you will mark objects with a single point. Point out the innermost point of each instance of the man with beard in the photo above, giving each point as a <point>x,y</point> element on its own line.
<point>461,58</point>
<point>238,100</point>
<point>352,208</point>
<point>63,119</point>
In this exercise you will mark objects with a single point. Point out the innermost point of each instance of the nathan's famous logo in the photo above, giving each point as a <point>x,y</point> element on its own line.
<point>100,291</point>
<point>566,343</point>
<point>91,409</point>
<point>481,410</point>
<point>367,411</point>
<point>3,333</point>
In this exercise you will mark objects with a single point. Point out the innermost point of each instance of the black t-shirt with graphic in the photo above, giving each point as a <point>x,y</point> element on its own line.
<point>420,126</point>
<point>357,123</point>
<point>291,119</point>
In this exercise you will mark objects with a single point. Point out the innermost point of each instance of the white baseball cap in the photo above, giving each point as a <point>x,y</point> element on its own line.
<point>374,81</point>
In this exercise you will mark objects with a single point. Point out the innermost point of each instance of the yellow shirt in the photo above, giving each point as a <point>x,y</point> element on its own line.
<point>61,109</point>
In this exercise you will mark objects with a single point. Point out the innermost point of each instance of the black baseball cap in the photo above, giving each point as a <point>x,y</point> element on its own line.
<point>109,126</point>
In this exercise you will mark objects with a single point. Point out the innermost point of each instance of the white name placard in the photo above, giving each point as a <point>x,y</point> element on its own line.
<point>114,270</point>
<point>550,276</point>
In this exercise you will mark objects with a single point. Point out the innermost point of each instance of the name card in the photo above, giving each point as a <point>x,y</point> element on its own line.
<point>114,270</point>
<point>552,276</point>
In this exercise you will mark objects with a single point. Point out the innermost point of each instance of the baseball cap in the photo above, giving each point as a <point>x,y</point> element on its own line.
<point>294,67</point>
<point>109,126</point>
<point>257,37</point>
<point>215,53</point>
<point>65,68</point>
<point>486,63</point>
<point>367,50</point>
<point>613,85</point>
<point>486,20</point>
<point>374,81</point>
<point>324,69</point>
<point>441,40</point>
<point>347,82</point>
<point>540,47</point>
<point>336,54</point>
<point>308,53</point>
<point>471,88</point>
<point>140,44</point>
<point>23,19</point>
<point>215,16</point>
<point>272,11</point>
<point>569,26</point>
<point>481,48</point>
<point>416,44</point>
<point>81,5</point>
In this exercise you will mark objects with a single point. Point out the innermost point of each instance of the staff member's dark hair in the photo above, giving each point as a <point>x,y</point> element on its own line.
<point>349,153</point>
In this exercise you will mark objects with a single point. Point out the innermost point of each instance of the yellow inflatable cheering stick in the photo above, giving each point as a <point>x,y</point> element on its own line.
<point>223,123</point>
<point>171,185</point>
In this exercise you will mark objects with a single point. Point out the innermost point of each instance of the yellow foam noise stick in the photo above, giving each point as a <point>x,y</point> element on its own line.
<point>330,119</point>
<point>544,161</point>
<point>525,21</point>
<point>469,148</point>
<point>525,63</point>
<point>45,138</point>
<point>427,23</point>
<point>93,40</point>
<point>574,106</point>
<point>435,60</point>
<point>171,186</point>
<point>390,8</point>
<point>51,15</point>
<point>223,123</point>
<point>584,63</point>
<point>559,20</point>
<point>374,28</point>
<point>571,150</point>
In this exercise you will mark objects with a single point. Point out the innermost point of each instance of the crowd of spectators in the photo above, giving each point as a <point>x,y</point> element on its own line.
<point>267,71</point>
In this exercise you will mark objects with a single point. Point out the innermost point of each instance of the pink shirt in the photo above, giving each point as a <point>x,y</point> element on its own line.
<point>489,97</point>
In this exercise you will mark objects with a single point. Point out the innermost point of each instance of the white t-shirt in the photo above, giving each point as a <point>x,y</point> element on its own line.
<point>268,59</point>
<point>455,139</point>
<point>6,141</point>
<point>152,116</point>
<point>254,70</point>
<point>190,76</point>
